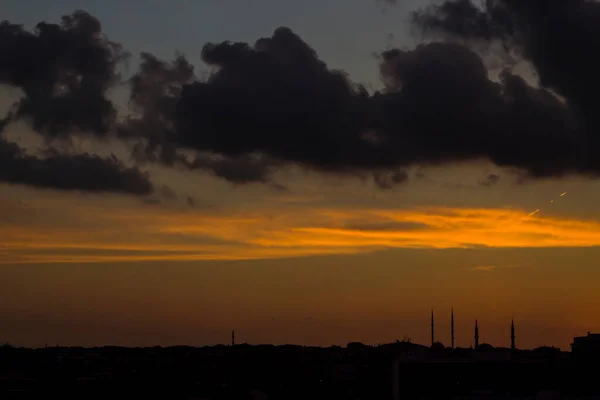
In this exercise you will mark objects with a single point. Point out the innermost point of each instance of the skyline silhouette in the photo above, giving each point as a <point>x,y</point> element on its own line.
<point>434,343</point>
<point>240,371</point>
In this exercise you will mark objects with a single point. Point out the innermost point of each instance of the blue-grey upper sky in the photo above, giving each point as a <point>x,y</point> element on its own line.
<point>345,33</point>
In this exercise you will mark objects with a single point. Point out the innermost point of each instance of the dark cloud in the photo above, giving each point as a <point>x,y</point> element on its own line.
<point>70,172</point>
<point>4,122</point>
<point>243,169</point>
<point>441,107</point>
<point>64,71</point>
<point>155,92</point>
<point>276,103</point>
<point>276,98</point>
<point>388,179</point>
<point>557,37</point>
<point>490,180</point>
<point>464,19</point>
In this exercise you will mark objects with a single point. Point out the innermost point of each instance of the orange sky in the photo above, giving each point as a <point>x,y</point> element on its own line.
<point>327,262</point>
<point>139,234</point>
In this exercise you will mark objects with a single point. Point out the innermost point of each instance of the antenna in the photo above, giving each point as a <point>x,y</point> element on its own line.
<point>432,330</point>
<point>452,326</point>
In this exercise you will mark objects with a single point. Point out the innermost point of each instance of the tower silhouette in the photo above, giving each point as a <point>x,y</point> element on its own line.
<point>476,335</point>
<point>233,338</point>
<point>452,326</point>
<point>432,331</point>
<point>512,334</point>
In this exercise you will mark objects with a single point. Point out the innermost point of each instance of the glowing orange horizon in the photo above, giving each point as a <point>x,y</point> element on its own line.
<point>285,233</point>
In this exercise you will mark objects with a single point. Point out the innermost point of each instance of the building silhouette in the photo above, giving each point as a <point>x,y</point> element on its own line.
<point>452,327</point>
<point>513,345</point>
<point>432,330</point>
<point>586,346</point>
<point>512,334</point>
<point>397,370</point>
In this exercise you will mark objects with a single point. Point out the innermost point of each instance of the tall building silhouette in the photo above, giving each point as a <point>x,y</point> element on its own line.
<point>476,335</point>
<point>233,338</point>
<point>512,334</point>
<point>432,331</point>
<point>452,327</point>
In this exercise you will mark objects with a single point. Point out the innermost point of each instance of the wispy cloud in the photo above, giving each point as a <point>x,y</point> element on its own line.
<point>145,233</point>
<point>494,267</point>
<point>485,268</point>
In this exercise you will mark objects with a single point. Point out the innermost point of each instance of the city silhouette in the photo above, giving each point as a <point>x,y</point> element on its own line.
<point>396,370</point>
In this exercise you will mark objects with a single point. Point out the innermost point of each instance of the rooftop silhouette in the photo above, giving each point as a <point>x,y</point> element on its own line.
<point>402,369</point>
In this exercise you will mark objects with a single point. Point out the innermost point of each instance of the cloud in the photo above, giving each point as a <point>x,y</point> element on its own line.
<point>274,103</point>
<point>461,114</point>
<point>164,195</point>
<point>154,93</point>
<point>379,226</point>
<point>490,180</point>
<point>247,168</point>
<point>484,268</point>
<point>82,172</point>
<point>64,71</point>
<point>141,234</point>
<point>464,19</point>
<point>278,100</point>
<point>490,268</point>
<point>555,36</point>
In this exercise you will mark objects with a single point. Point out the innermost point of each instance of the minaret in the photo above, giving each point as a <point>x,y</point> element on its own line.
<point>476,335</point>
<point>452,326</point>
<point>233,338</point>
<point>432,335</point>
<point>512,335</point>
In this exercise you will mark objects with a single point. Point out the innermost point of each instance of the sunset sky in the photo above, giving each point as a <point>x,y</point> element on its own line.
<point>319,251</point>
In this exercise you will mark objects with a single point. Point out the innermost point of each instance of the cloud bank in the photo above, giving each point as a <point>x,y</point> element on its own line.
<point>275,103</point>
<point>64,71</point>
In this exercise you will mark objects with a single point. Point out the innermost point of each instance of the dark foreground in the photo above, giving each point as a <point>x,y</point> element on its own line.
<point>396,371</point>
